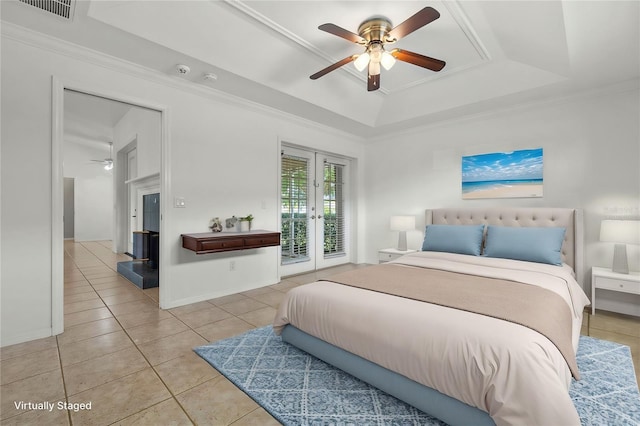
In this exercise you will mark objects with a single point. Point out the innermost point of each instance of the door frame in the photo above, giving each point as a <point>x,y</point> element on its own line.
<point>121,192</point>
<point>132,200</point>
<point>69,216</point>
<point>58,86</point>
<point>352,215</point>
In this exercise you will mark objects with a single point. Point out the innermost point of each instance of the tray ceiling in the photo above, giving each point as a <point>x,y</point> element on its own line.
<point>498,53</point>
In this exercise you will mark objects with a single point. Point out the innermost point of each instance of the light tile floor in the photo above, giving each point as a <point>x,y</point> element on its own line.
<point>134,362</point>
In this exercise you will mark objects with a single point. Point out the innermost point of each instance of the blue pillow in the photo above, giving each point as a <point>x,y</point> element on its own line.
<point>462,239</point>
<point>533,244</point>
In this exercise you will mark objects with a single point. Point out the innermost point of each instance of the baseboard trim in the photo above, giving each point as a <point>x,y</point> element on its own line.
<point>26,337</point>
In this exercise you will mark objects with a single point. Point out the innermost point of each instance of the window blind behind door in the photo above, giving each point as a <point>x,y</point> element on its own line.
<point>294,196</point>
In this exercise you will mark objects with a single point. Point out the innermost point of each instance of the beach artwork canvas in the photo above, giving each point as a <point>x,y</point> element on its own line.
<point>516,174</point>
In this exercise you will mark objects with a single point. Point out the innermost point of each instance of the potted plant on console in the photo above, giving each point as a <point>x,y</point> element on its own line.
<point>244,223</point>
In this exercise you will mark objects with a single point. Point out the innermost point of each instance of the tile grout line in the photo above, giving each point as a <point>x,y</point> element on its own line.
<point>145,358</point>
<point>64,382</point>
<point>173,395</point>
<point>64,385</point>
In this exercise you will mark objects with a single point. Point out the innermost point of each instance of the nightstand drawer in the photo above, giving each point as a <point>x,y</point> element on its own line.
<point>618,285</point>
<point>389,254</point>
<point>386,257</point>
<point>604,278</point>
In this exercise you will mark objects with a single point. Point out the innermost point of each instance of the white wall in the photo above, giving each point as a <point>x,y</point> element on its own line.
<point>140,127</point>
<point>143,125</point>
<point>591,161</point>
<point>93,208</point>
<point>230,168</point>
<point>223,159</point>
<point>93,194</point>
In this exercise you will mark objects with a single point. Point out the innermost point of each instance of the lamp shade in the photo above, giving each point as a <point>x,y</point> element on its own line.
<point>403,223</point>
<point>620,231</point>
<point>387,60</point>
<point>361,61</point>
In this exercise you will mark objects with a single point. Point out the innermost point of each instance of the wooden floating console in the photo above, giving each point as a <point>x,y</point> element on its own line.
<point>217,242</point>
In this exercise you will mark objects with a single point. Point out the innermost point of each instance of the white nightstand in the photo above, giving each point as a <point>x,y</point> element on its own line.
<point>605,278</point>
<point>388,254</point>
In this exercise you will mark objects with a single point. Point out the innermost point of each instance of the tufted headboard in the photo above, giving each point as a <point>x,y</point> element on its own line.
<point>571,219</point>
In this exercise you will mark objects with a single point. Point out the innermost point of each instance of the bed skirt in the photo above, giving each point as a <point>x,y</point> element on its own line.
<point>428,400</point>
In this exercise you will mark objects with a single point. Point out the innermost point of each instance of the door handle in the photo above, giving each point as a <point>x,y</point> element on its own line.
<point>319,216</point>
<point>313,216</point>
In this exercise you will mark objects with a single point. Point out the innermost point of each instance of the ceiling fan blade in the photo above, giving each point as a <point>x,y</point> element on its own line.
<point>333,67</point>
<point>417,59</point>
<point>419,20</point>
<point>373,82</point>
<point>341,32</point>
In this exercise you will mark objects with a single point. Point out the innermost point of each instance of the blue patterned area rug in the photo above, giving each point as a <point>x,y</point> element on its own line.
<point>299,389</point>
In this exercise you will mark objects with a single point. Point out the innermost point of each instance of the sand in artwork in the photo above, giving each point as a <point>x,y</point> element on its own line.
<point>521,190</point>
<point>516,174</point>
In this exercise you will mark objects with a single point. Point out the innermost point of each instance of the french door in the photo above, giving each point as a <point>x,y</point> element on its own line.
<point>315,211</point>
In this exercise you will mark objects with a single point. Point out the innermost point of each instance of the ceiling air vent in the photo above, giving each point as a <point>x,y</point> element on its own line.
<point>62,8</point>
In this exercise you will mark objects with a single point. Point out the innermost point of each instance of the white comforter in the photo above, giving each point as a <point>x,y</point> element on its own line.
<point>512,372</point>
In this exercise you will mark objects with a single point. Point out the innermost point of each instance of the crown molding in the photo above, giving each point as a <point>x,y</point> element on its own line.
<point>269,23</point>
<point>465,26</point>
<point>612,89</point>
<point>45,42</point>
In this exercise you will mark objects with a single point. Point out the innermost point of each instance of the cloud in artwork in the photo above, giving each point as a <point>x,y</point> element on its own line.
<point>516,165</point>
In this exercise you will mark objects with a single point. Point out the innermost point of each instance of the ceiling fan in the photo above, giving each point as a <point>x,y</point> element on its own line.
<point>107,162</point>
<point>373,34</point>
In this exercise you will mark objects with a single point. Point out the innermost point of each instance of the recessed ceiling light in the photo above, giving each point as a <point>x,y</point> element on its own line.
<point>210,76</point>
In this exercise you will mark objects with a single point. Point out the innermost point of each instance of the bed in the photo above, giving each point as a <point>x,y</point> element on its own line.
<point>398,327</point>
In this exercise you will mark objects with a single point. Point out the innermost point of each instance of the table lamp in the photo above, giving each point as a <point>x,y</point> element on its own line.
<point>621,232</point>
<point>402,224</point>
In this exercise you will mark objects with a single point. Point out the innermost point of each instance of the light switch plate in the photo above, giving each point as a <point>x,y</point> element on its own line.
<point>179,202</point>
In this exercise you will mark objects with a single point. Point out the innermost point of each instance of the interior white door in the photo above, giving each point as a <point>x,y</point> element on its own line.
<point>132,199</point>
<point>314,211</point>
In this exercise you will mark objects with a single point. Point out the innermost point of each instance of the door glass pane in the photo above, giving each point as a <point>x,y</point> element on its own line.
<point>295,175</point>
<point>333,210</point>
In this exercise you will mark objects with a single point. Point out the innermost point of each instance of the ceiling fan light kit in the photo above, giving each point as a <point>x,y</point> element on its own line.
<point>373,34</point>
<point>374,57</point>
<point>108,162</point>
<point>387,60</point>
<point>362,61</point>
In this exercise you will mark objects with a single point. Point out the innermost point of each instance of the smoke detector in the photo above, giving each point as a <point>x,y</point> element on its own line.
<point>182,69</point>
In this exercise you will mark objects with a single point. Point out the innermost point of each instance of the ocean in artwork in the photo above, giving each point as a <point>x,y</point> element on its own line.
<point>516,174</point>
